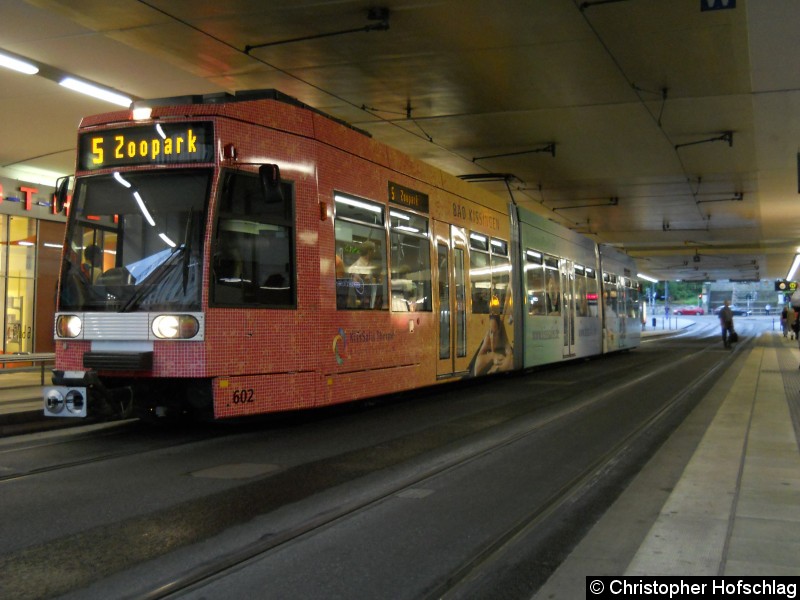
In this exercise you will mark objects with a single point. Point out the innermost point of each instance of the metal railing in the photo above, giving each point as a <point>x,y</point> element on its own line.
<point>41,359</point>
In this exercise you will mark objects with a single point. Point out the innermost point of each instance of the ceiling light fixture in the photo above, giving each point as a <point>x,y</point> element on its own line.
<point>647,278</point>
<point>95,91</point>
<point>21,66</point>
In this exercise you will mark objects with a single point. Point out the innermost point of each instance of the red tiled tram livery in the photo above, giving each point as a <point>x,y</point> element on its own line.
<point>236,255</point>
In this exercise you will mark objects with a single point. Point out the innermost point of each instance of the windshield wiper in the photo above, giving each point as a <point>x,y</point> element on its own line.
<point>187,252</point>
<point>147,284</point>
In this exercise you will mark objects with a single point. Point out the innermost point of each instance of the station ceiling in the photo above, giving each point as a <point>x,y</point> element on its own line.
<point>666,129</point>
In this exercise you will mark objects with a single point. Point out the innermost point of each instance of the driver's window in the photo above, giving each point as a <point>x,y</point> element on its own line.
<point>98,253</point>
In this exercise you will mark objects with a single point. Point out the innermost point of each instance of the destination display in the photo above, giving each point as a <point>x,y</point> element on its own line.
<point>407,197</point>
<point>159,144</point>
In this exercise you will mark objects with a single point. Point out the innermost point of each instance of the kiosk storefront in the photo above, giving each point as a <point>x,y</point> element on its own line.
<point>31,237</point>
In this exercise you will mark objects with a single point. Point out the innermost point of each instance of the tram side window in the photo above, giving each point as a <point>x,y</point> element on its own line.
<point>610,287</point>
<point>633,299</point>
<point>582,302</point>
<point>360,254</point>
<point>591,291</point>
<point>489,273</point>
<point>534,282</point>
<point>501,275</point>
<point>411,262</point>
<point>621,300</point>
<point>480,273</point>
<point>624,301</point>
<point>552,282</point>
<point>254,255</point>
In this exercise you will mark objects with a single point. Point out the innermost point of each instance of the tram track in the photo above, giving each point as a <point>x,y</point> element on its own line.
<point>74,439</point>
<point>458,583</point>
<point>119,429</point>
<point>414,459</point>
<point>462,583</point>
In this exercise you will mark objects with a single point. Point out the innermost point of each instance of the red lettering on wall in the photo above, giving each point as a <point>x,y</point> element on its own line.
<point>29,192</point>
<point>66,204</point>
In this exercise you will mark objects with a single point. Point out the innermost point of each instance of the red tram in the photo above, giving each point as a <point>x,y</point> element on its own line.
<point>236,255</point>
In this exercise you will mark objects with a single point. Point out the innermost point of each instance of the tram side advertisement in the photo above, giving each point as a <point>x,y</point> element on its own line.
<point>490,322</point>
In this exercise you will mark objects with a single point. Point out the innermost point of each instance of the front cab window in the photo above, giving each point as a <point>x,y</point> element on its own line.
<point>254,254</point>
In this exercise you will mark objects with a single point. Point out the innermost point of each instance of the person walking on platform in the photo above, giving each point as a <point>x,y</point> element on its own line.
<point>726,322</point>
<point>785,321</point>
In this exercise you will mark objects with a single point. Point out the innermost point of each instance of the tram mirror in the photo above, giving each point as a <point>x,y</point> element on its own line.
<point>61,194</point>
<point>271,183</point>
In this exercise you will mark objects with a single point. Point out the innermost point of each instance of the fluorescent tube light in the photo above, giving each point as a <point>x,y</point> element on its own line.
<point>9,62</point>
<point>477,237</point>
<point>95,91</point>
<point>646,278</point>
<point>358,204</point>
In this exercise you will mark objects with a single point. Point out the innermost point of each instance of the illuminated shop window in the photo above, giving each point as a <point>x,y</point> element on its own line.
<point>20,266</point>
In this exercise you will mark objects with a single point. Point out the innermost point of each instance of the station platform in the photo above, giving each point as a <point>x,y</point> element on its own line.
<point>21,401</point>
<point>722,495</point>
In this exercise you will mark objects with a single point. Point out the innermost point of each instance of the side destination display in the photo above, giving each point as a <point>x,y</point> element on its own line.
<point>161,144</point>
<point>407,197</point>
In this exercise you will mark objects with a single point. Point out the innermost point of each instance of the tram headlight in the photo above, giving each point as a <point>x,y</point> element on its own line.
<point>68,326</point>
<point>175,327</point>
<point>54,401</point>
<point>75,402</point>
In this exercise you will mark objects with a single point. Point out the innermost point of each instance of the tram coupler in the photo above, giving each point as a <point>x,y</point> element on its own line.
<point>73,391</point>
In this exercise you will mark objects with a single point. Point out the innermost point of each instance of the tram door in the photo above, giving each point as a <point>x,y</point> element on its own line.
<point>568,305</point>
<point>451,296</point>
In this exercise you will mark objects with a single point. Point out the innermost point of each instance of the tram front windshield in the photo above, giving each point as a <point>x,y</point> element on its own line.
<point>135,242</point>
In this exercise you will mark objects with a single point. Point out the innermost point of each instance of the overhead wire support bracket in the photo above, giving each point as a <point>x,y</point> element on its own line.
<point>613,201</point>
<point>663,92</point>
<point>592,3</point>
<point>737,197</point>
<point>407,113</point>
<point>375,14</point>
<point>725,137</point>
<point>549,148</point>
<point>489,177</point>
